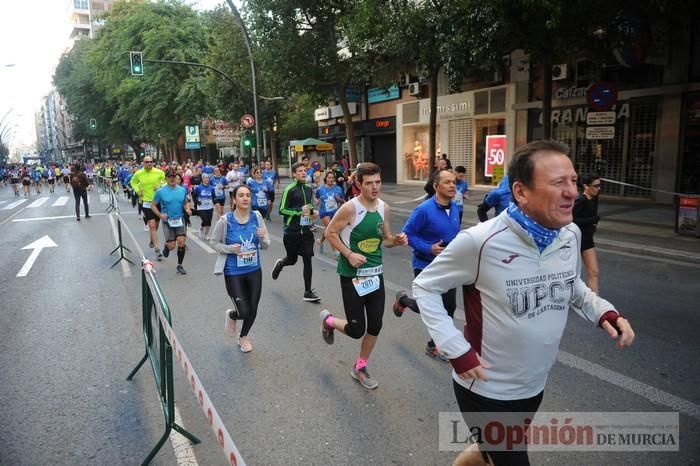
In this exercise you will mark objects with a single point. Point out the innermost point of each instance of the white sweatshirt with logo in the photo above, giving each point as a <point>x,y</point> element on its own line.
<point>516,303</point>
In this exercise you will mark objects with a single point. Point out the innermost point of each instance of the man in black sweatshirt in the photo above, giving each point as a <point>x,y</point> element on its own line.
<point>297,210</point>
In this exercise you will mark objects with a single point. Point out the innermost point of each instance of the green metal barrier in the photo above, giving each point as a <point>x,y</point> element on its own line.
<point>160,354</point>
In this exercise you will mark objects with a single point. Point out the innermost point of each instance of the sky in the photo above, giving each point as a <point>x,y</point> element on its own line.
<point>33,35</point>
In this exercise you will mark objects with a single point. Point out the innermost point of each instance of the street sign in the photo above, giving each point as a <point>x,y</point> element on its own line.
<point>192,137</point>
<point>600,132</point>
<point>247,121</point>
<point>602,96</point>
<point>600,118</point>
<point>495,153</point>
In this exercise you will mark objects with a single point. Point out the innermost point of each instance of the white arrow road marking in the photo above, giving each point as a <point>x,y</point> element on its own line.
<point>38,203</point>
<point>14,204</point>
<point>36,246</point>
<point>60,201</point>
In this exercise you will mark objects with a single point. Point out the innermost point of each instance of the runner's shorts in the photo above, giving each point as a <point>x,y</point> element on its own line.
<point>171,233</point>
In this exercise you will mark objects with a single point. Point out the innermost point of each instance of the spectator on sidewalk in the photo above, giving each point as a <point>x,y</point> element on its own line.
<point>586,217</point>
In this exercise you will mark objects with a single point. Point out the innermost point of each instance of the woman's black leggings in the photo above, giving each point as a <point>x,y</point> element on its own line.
<point>245,291</point>
<point>81,193</point>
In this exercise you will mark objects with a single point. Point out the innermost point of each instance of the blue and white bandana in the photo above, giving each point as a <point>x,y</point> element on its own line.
<point>542,236</point>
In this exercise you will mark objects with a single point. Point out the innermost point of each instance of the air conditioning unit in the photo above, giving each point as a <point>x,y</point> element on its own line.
<point>559,72</point>
<point>404,79</point>
<point>414,89</point>
<point>422,72</point>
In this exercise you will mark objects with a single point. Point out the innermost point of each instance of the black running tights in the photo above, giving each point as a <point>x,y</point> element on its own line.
<point>245,291</point>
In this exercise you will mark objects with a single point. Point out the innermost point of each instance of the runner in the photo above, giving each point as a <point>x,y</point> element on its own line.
<point>170,203</point>
<point>260,190</point>
<point>358,230</point>
<point>238,238</point>
<point>430,228</point>
<point>65,174</point>
<point>51,179</point>
<point>273,183</point>
<point>26,182</point>
<point>35,174</point>
<point>233,178</point>
<point>219,182</point>
<point>297,209</point>
<point>145,182</point>
<point>586,217</point>
<point>462,187</point>
<point>520,274</point>
<point>203,195</point>
<point>14,179</point>
<point>328,197</point>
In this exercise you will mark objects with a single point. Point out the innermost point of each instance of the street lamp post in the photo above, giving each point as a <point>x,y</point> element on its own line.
<point>246,39</point>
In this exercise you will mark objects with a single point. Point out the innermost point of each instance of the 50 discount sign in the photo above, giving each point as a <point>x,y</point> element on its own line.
<point>495,153</point>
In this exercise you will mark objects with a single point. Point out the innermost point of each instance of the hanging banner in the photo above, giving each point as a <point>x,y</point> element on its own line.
<point>495,154</point>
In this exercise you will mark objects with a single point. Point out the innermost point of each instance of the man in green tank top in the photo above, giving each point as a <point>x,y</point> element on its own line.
<point>358,231</point>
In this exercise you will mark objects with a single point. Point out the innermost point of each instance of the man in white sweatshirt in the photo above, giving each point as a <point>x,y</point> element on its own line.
<point>520,273</point>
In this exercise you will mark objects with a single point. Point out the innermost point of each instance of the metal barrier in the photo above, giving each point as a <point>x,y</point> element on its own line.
<point>159,352</point>
<point>114,206</point>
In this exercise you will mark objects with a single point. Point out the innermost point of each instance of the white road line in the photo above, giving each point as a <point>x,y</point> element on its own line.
<point>200,243</point>
<point>126,271</point>
<point>649,392</point>
<point>13,215</point>
<point>652,394</point>
<point>14,204</point>
<point>51,218</point>
<point>184,454</point>
<point>38,203</point>
<point>2,202</point>
<point>60,201</point>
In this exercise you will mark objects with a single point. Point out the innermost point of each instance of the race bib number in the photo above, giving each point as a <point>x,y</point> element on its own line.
<point>175,222</point>
<point>331,205</point>
<point>370,271</point>
<point>365,285</point>
<point>305,220</point>
<point>219,192</point>
<point>459,199</point>
<point>205,204</point>
<point>247,259</point>
<point>262,202</point>
<point>146,205</point>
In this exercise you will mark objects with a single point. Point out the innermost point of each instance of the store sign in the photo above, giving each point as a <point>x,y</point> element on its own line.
<point>192,137</point>
<point>449,108</point>
<point>379,94</point>
<point>380,125</point>
<point>600,132</point>
<point>580,114</point>
<point>570,92</point>
<point>601,118</point>
<point>322,113</point>
<point>495,154</point>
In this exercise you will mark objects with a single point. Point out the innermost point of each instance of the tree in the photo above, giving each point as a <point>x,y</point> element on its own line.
<point>309,47</point>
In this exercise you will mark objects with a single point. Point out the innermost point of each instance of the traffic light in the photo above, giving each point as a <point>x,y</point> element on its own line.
<point>136,63</point>
<point>93,123</point>
<point>248,138</point>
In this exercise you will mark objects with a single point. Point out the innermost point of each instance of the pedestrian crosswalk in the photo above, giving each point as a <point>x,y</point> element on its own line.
<point>58,202</point>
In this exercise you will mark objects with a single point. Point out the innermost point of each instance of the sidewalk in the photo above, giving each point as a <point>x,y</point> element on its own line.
<point>632,226</point>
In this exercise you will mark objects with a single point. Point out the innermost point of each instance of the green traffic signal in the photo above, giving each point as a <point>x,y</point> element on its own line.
<point>93,123</point>
<point>136,59</point>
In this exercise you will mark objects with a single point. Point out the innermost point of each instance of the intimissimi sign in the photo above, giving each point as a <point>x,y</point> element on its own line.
<point>578,114</point>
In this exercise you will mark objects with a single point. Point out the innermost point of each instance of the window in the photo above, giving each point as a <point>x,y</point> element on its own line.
<point>80,4</point>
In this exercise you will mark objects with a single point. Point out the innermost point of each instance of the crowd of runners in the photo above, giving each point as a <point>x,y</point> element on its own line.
<point>520,271</point>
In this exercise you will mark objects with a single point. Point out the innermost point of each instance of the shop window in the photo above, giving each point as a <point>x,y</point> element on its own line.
<point>415,153</point>
<point>483,128</point>
<point>690,165</point>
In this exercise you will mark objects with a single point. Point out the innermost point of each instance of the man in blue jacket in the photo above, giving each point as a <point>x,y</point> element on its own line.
<point>430,228</point>
<point>499,198</point>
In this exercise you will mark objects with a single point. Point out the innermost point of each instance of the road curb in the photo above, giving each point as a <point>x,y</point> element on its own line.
<point>652,251</point>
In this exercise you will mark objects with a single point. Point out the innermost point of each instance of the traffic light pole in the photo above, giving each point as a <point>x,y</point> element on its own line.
<point>246,39</point>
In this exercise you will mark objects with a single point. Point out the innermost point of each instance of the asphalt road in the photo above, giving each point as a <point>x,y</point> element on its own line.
<point>70,332</point>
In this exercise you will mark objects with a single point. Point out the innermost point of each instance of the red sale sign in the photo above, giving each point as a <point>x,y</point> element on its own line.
<point>495,153</point>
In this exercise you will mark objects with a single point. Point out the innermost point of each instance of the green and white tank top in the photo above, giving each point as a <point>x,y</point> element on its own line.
<point>364,236</point>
